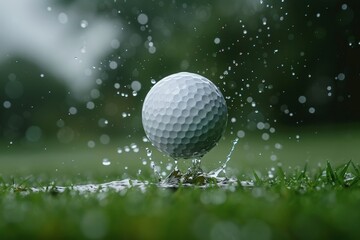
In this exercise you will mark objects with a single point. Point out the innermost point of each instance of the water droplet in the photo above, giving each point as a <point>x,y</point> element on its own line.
<point>115,44</point>
<point>302,99</point>
<point>102,122</point>
<point>152,49</point>
<point>217,40</point>
<point>106,162</point>
<point>278,146</point>
<point>265,136</point>
<point>127,149</point>
<point>63,18</point>
<point>72,110</point>
<point>241,134</point>
<point>105,139</point>
<point>98,81</point>
<point>119,150</point>
<point>341,77</point>
<point>84,23</point>
<point>142,18</point>
<point>7,104</point>
<point>260,125</point>
<point>169,166</point>
<point>117,85</point>
<point>272,130</point>
<point>148,152</point>
<point>311,110</point>
<point>91,144</point>
<point>33,134</point>
<point>113,65</point>
<point>136,86</point>
<point>90,105</point>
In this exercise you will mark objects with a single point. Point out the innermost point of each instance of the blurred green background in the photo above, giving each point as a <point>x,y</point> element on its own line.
<point>72,89</point>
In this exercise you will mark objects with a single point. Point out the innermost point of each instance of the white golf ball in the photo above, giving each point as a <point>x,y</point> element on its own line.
<point>184,115</point>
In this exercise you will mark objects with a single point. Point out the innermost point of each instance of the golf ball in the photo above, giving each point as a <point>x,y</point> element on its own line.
<point>184,115</point>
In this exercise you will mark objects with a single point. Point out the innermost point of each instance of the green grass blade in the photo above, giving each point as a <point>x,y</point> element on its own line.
<point>280,173</point>
<point>343,171</point>
<point>302,175</point>
<point>356,168</point>
<point>339,179</point>
<point>257,178</point>
<point>330,174</point>
<point>355,181</point>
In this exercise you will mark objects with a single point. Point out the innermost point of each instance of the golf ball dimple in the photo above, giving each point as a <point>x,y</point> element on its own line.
<point>184,115</point>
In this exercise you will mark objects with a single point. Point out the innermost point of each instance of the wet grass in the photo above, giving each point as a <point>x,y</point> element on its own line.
<point>312,191</point>
<point>302,204</point>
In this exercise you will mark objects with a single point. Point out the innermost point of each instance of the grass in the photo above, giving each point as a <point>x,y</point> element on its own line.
<point>297,199</point>
<point>299,205</point>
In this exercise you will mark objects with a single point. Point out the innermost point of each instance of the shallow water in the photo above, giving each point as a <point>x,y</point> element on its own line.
<point>121,185</point>
<point>194,177</point>
<point>116,186</point>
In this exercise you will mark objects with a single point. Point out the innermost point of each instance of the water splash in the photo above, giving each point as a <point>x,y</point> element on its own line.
<point>193,177</point>
<point>125,184</point>
<point>153,166</point>
<point>215,173</point>
<point>116,186</point>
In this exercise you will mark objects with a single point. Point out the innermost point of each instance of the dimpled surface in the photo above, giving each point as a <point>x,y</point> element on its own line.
<point>184,115</point>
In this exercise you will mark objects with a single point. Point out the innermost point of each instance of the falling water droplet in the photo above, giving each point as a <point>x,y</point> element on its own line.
<point>106,162</point>
<point>148,153</point>
<point>84,23</point>
<point>156,169</point>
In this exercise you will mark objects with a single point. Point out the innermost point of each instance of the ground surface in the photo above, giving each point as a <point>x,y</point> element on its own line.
<point>301,198</point>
